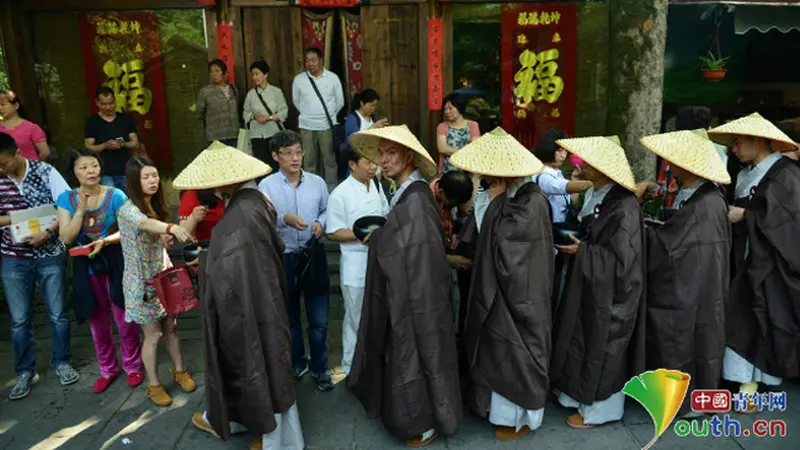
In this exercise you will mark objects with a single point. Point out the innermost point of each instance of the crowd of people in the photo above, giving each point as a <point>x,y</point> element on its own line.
<point>488,280</point>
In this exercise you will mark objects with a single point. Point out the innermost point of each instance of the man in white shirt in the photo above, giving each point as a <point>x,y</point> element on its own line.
<point>317,118</point>
<point>356,197</point>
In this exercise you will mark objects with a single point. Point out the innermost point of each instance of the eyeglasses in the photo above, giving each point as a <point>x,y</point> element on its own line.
<point>296,154</point>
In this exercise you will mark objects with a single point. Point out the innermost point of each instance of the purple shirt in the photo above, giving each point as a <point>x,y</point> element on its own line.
<point>309,200</point>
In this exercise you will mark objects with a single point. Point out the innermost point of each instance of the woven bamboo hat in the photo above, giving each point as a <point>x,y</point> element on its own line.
<point>604,154</point>
<point>753,125</point>
<point>366,143</point>
<point>691,151</point>
<point>497,154</point>
<point>220,165</point>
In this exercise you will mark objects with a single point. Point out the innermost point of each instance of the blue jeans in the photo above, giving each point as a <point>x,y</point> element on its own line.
<point>317,314</point>
<point>19,278</point>
<point>115,181</point>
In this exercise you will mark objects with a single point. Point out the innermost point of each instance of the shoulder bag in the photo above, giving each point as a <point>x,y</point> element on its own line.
<point>336,130</point>
<point>269,111</point>
<point>176,289</point>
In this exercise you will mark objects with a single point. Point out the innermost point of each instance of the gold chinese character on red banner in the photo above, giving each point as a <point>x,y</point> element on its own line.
<point>522,39</point>
<point>555,113</point>
<point>521,114</point>
<point>537,80</point>
<point>557,37</point>
<point>555,17</point>
<point>127,82</point>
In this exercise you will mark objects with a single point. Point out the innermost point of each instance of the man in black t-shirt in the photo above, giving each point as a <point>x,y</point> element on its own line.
<point>112,135</point>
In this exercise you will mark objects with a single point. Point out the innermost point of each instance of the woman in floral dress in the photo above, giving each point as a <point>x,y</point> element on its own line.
<point>142,229</point>
<point>455,132</point>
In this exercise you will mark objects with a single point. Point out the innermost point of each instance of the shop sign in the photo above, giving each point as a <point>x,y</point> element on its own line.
<point>123,51</point>
<point>539,47</point>
<point>435,75</point>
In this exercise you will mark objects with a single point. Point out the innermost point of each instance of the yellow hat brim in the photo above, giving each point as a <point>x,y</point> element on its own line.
<point>366,143</point>
<point>604,154</point>
<point>497,154</point>
<point>690,151</point>
<point>220,165</point>
<point>753,125</point>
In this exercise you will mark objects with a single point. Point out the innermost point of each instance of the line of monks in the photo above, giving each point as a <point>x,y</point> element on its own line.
<point>712,291</point>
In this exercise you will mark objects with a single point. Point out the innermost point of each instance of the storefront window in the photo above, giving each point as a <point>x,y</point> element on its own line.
<point>154,60</point>
<point>533,66</point>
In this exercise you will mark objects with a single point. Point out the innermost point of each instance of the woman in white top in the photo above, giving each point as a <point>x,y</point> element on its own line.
<point>551,181</point>
<point>265,110</point>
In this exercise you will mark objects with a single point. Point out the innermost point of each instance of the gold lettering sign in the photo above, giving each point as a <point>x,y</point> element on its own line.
<point>128,83</point>
<point>537,80</point>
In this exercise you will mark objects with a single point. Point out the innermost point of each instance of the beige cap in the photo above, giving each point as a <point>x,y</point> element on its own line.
<point>497,154</point>
<point>366,143</point>
<point>753,125</point>
<point>604,154</point>
<point>220,165</point>
<point>691,151</point>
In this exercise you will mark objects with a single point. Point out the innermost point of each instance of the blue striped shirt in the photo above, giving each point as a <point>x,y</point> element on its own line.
<point>309,200</point>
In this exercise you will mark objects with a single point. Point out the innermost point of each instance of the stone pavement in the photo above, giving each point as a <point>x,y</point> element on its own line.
<point>56,417</point>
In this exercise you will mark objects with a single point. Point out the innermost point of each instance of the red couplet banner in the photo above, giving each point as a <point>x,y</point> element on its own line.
<point>539,68</point>
<point>225,49</point>
<point>435,75</point>
<point>123,51</point>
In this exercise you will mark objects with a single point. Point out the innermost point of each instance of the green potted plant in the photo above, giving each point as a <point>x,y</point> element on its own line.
<point>713,67</point>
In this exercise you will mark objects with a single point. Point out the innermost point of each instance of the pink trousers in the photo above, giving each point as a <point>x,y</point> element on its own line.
<point>103,335</point>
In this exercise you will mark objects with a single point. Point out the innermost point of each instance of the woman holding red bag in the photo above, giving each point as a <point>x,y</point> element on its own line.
<point>142,226</point>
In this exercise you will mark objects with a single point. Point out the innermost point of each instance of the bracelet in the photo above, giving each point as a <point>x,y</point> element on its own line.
<point>169,228</point>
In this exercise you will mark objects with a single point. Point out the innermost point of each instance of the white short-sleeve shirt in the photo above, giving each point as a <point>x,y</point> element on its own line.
<point>348,202</point>
<point>552,182</point>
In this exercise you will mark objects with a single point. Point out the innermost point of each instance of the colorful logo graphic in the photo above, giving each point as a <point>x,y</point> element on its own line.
<point>661,393</point>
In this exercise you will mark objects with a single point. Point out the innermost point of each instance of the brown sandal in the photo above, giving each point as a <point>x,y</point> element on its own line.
<point>576,421</point>
<point>418,442</point>
<point>510,433</point>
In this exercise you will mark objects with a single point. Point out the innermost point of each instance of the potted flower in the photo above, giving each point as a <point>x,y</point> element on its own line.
<point>713,67</point>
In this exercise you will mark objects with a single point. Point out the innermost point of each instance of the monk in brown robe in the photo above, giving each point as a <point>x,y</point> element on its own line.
<point>405,368</point>
<point>688,265</point>
<point>250,384</point>
<point>598,342</point>
<point>763,313</point>
<point>507,332</point>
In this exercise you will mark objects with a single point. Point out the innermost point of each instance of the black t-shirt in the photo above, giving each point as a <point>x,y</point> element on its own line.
<point>101,130</point>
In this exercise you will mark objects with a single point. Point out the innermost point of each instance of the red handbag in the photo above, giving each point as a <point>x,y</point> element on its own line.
<point>175,289</point>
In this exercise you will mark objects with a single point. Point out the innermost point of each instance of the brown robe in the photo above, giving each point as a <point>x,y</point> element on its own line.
<point>404,367</point>
<point>598,333</point>
<point>248,373</point>
<point>763,313</point>
<point>508,327</point>
<point>688,278</point>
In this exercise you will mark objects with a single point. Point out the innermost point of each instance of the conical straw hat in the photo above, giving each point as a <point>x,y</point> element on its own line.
<point>604,154</point>
<point>691,151</point>
<point>497,154</point>
<point>366,143</point>
<point>753,125</point>
<point>220,165</point>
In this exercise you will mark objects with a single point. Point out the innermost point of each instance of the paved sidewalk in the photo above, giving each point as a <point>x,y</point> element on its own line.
<point>55,417</point>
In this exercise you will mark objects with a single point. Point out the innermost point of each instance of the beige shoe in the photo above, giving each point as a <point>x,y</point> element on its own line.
<point>158,395</point>
<point>510,433</point>
<point>338,375</point>
<point>184,380</point>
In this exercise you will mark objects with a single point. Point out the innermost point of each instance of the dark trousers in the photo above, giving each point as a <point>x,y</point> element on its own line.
<point>317,302</point>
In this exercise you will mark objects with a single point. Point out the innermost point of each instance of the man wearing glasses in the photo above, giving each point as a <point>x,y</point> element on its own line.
<point>301,201</point>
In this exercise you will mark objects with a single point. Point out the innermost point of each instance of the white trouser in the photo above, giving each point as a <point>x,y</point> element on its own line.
<point>735,368</point>
<point>353,301</point>
<point>503,412</point>
<point>598,413</point>
<point>288,435</point>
